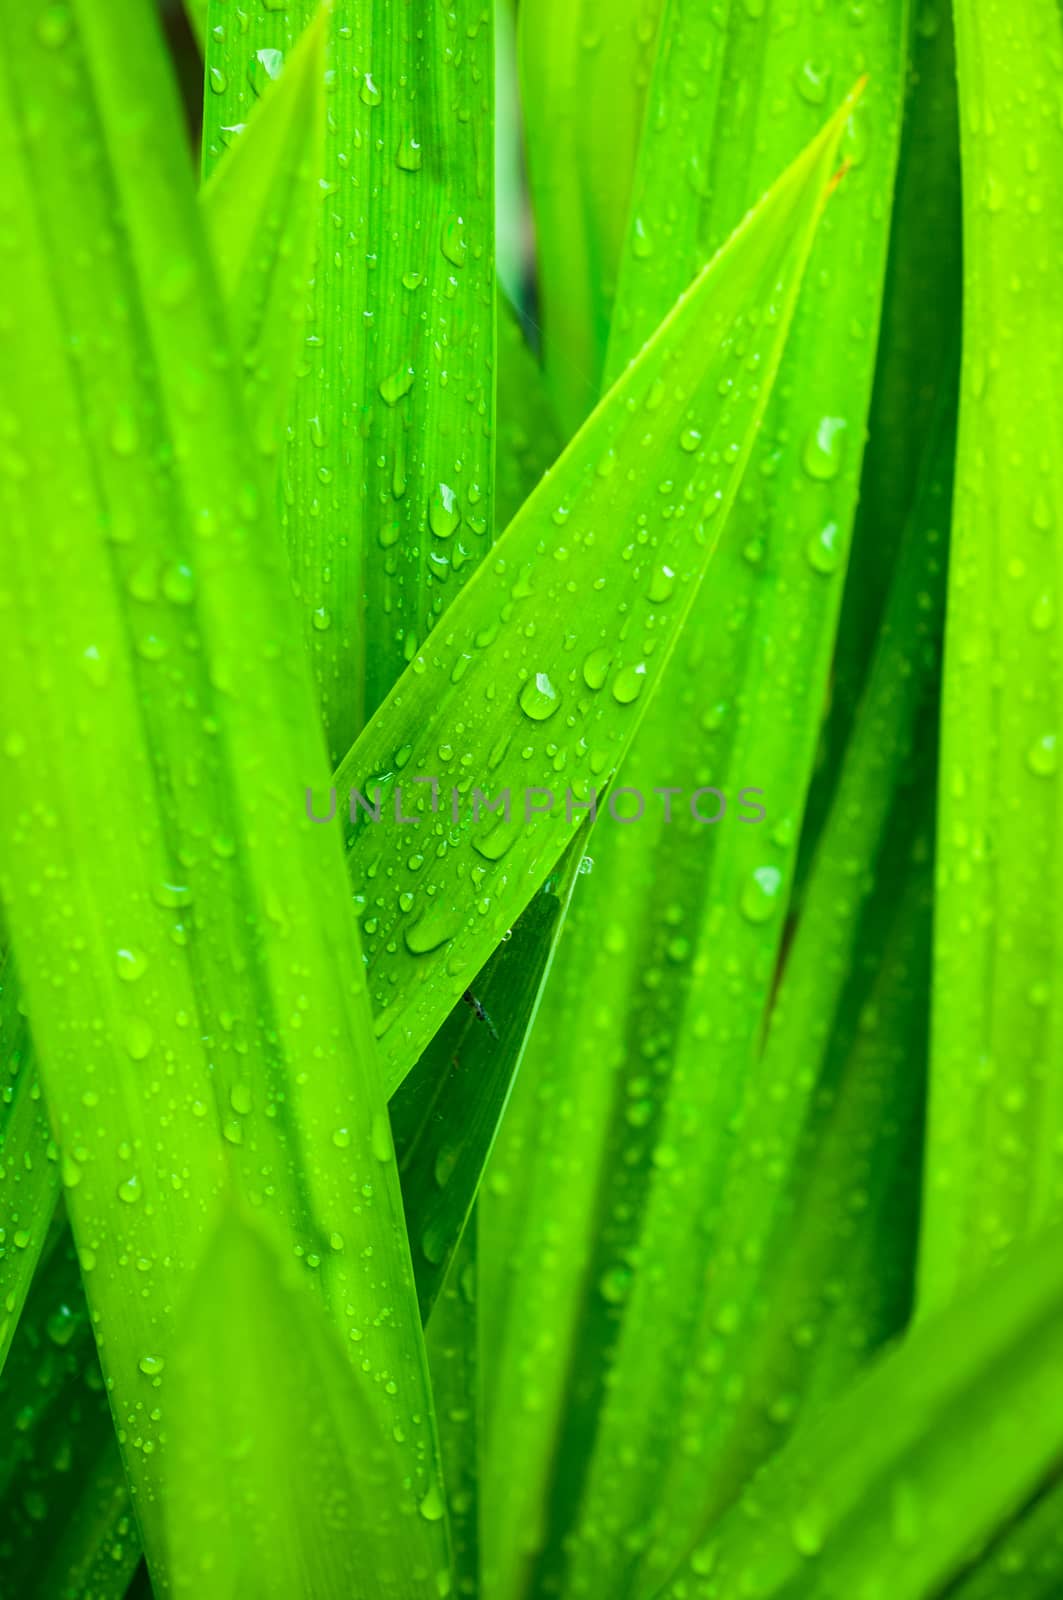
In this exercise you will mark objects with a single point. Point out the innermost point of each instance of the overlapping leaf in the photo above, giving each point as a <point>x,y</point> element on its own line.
<point>995,1159</point>
<point>892,1489</point>
<point>623,1124</point>
<point>388,500</point>
<point>533,685</point>
<point>191,964</point>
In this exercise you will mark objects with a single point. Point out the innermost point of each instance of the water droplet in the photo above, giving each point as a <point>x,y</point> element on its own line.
<point>151,1366</point>
<point>380,1138</point>
<point>661,585</point>
<point>138,1038</point>
<point>432,1507</point>
<point>453,242</point>
<point>53,26</point>
<point>1042,613</point>
<point>321,619</point>
<point>369,94</point>
<point>131,964</point>
<point>538,698</point>
<point>690,440</point>
<point>629,683</point>
<point>437,927</point>
<point>341,1138</point>
<point>129,1190</point>
<point>824,550</point>
<point>393,388</point>
<point>265,67</point>
<point>443,513</point>
<point>813,83</point>
<point>806,1529</point>
<point>1042,758</point>
<point>615,1284</point>
<point>408,156</point>
<point>760,897</point>
<point>596,668</point>
<point>179,584</point>
<point>61,1326</point>
<point>217,80</point>
<point>641,243</point>
<point>824,449</point>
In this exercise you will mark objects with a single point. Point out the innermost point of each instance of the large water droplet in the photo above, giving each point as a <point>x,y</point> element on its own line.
<point>538,698</point>
<point>824,449</point>
<point>443,513</point>
<point>761,895</point>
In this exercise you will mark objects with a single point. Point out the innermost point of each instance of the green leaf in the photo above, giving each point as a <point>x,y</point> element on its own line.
<point>995,1157</point>
<point>388,503</point>
<point>445,1114</point>
<point>261,207</point>
<point>584,69</point>
<point>646,1044</point>
<point>544,684</point>
<point>1026,1560</point>
<point>841,1074</point>
<point>258,212</point>
<point>917,365</point>
<point>454,1358</point>
<point>889,1490</point>
<point>528,437</point>
<point>249,1413</point>
<point>66,1525</point>
<point>193,971</point>
<point>196,12</point>
<point>29,1175</point>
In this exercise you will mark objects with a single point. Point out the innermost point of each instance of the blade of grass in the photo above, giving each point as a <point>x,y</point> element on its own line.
<point>551,680</point>
<point>66,1524</point>
<point>340,1472</point>
<point>797,1165</point>
<point>29,1168</point>
<point>445,1114</point>
<point>261,206</point>
<point>679,940</point>
<point>189,934</point>
<point>528,437</point>
<point>196,12</point>
<point>889,1489</point>
<point>258,211</point>
<point>394,405</point>
<point>455,1362</point>
<point>995,1155</point>
<point>584,71</point>
<point>920,335</point>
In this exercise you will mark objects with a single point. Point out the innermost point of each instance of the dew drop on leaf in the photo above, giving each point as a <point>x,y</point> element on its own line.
<point>538,698</point>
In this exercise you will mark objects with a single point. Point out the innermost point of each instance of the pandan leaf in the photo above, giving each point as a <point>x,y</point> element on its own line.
<point>191,967</point>
<point>995,1156</point>
<point>29,1175</point>
<point>584,68</point>
<point>546,686</point>
<point>258,211</point>
<point>528,438</point>
<point>889,1490</point>
<point>918,345</point>
<point>261,206</point>
<point>196,12</point>
<point>646,1043</point>
<point>445,1114</point>
<point>316,1438</point>
<point>388,502</point>
<point>66,1524</point>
